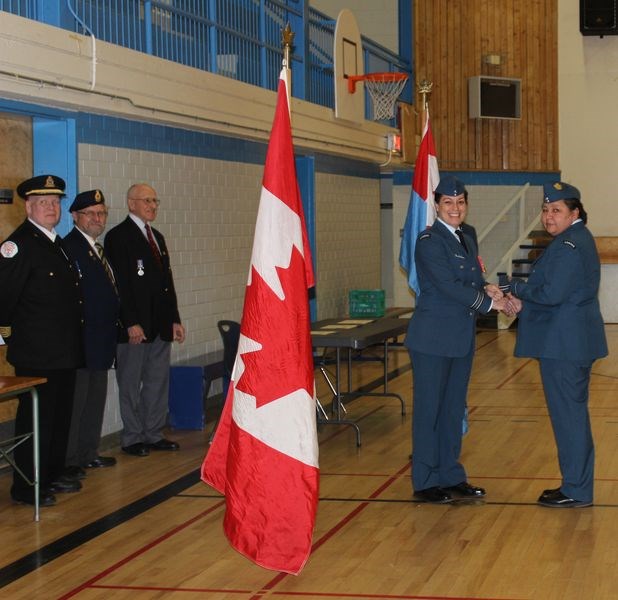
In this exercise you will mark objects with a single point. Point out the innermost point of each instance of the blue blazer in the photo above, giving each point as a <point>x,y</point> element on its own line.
<point>101,303</point>
<point>451,294</point>
<point>561,318</point>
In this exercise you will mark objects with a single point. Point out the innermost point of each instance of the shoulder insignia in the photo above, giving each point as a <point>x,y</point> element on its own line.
<point>569,243</point>
<point>424,236</point>
<point>9,249</point>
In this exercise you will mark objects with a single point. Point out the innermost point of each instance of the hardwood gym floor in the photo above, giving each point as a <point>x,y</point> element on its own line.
<point>148,528</point>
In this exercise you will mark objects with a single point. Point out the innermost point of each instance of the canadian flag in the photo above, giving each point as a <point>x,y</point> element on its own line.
<point>264,457</point>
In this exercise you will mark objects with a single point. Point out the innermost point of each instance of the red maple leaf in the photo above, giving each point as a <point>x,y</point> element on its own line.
<point>285,362</point>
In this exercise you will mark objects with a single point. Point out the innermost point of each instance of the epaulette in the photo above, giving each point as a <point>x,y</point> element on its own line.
<point>424,236</point>
<point>569,243</point>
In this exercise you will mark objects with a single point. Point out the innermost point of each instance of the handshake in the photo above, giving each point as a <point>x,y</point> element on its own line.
<point>502,298</point>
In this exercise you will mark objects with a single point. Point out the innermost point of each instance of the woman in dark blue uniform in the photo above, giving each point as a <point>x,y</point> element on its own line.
<point>561,325</point>
<point>440,341</point>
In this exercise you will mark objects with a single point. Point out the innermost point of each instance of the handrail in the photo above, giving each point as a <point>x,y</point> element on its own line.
<point>508,255</point>
<point>503,212</point>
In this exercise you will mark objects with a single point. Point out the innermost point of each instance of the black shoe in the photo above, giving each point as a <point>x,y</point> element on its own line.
<point>101,461</point>
<point>164,444</point>
<point>27,497</point>
<point>74,472</point>
<point>137,449</point>
<point>551,492</point>
<point>466,490</point>
<point>434,495</point>
<point>63,485</point>
<point>559,500</point>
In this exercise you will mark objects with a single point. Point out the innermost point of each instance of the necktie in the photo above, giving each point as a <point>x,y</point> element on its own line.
<point>460,235</point>
<point>106,266</point>
<point>153,246</point>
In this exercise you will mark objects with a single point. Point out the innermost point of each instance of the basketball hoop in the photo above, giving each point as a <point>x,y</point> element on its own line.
<point>384,89</point>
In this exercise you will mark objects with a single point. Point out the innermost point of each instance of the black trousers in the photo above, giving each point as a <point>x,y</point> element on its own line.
<point>55,407</point>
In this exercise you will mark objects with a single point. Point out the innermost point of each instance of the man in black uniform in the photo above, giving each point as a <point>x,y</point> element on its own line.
<point>101,311</point>
<point>40,301</point>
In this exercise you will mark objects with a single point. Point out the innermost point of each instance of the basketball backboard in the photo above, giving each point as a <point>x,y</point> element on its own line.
<point>348,60</point>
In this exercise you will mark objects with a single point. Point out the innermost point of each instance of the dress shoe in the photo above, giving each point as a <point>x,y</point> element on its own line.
<point>164,444</point>
<point>27,497</point>
<point>74,472</point>
<point>559,500</point>
<point>101,461</point>
<point>551,492</point>
<point>63,485</point>
<point>434,495</point>
<point>464,489</point>
<point>138,449</point>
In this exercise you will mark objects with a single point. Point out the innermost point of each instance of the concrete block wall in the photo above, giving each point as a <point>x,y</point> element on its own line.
<point>209,189</point>
<point>347,239</point>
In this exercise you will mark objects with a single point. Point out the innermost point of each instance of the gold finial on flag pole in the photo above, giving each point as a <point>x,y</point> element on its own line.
<point>424,89</point>
<point>288,37</point>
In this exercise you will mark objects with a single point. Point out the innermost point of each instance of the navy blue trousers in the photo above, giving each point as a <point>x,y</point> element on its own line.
<point>566,392</point>
<point>440,388</point>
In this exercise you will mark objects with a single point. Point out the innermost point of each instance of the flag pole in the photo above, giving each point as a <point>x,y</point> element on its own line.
<point>424,90</point>
<point>288,37</point>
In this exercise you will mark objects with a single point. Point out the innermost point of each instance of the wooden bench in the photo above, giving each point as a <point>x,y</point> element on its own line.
<point>607,247</point>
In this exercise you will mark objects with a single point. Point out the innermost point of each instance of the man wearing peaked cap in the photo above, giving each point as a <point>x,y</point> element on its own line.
<point>41,303</point>
<point>42,185</point>
<point>101,311</point>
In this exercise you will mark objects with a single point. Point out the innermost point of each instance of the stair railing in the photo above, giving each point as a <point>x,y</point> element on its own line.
<point>505,264</point>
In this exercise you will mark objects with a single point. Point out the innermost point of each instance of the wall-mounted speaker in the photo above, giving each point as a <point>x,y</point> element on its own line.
<point>598,17</point>
<point>494,98</point>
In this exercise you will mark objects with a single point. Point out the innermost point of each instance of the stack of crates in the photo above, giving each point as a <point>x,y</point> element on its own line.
<point>366,303</point>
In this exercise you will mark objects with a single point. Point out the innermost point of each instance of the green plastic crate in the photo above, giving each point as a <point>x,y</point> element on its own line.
<point>366,303</point>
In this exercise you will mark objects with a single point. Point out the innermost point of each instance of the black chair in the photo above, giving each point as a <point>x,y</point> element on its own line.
<point>230,334</point>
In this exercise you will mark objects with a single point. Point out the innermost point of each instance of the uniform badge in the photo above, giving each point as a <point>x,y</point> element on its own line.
<point>424,236</point>
<point>9,249</point>
<point>97,196</point>
<point>569,243</point>
<point>49,182</point>
<point>140,267</point>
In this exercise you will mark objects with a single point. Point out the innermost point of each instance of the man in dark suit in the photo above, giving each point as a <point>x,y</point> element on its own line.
<point>149,313</point>
<point>101,311</point>
<point>41,303</point>
<point>441,340</point>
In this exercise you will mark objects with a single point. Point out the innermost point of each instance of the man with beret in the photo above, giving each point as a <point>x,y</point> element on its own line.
<point>150,318</point>
<point>440,340</point>
<point>101,312</point>
<point>561,325</point>
<point>40,301</point>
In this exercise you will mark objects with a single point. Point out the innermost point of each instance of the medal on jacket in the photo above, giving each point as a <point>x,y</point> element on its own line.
<point>79,271</point>
<point>140,267</point>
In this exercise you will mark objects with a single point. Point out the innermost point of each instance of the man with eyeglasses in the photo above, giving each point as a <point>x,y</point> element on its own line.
<point>40,301</point>
<point>101,312</point>
<point>151,322</point>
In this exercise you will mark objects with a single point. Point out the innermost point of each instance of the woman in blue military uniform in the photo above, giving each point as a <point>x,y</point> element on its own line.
<point>440,341</point>
<point>561,324</point>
